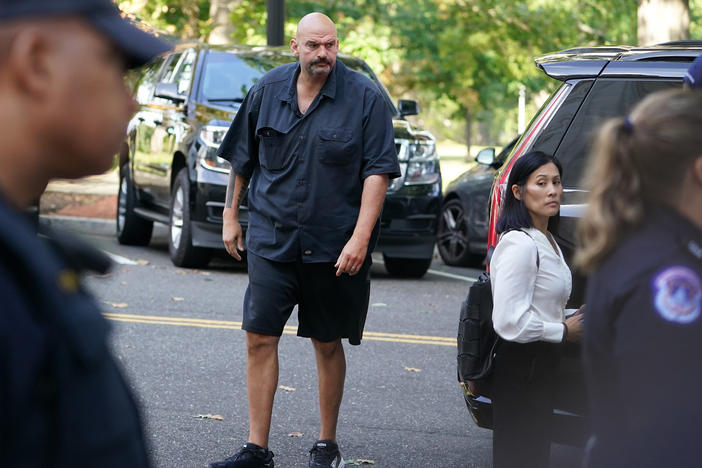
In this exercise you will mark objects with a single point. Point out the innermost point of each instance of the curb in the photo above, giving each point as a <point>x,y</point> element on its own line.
<point>94,226</point>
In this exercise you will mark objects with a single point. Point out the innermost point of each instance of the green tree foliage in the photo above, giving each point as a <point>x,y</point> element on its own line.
<point>467,58</point>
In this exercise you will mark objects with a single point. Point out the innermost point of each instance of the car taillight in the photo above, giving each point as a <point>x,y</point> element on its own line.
<point>500,185</point>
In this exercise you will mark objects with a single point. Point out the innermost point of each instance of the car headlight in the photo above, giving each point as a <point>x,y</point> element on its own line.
<point>422,163</point>
<point>212,137</point>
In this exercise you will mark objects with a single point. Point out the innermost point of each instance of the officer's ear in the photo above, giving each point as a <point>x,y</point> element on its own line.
<point>294,47</point>
<point>29,60</point>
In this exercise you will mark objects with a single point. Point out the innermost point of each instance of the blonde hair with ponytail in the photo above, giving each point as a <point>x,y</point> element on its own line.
<point>637,162</point>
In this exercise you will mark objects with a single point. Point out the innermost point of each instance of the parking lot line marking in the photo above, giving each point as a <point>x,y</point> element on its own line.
<point>119,259</point>
<point>288,330</point>
<point>469,279</point>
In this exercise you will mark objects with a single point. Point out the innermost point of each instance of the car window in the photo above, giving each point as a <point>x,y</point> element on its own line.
<point>170,67</point>
<point>183,75</point>
<point>550,138</point>
<point>228,77</point>
<point>147,82</point>
<point>608,98</point>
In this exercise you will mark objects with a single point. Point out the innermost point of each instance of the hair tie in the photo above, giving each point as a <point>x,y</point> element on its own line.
<point>628,126</point>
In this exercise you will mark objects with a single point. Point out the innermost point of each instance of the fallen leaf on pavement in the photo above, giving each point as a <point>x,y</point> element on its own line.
<point>359,462</point>
<point>379,304</point>
<point>177,299</point>
<point>412,369</point>
<point>287,389</point>
<point>295,434</point>
<point>216,417</point>
<point>141,261</point>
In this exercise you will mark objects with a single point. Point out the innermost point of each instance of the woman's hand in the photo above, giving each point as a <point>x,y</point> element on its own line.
<point>574,323</point>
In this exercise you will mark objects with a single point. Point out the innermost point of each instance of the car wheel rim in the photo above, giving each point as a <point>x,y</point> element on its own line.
<point>122,204</point>
<point>177,218</point>
<point>452,238</point>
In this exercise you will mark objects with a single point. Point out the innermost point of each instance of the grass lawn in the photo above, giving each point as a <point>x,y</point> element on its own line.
<point>453,159</point>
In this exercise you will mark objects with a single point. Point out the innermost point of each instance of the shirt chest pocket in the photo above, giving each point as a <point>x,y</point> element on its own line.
<point>336,146</point>
<point>271,149</point>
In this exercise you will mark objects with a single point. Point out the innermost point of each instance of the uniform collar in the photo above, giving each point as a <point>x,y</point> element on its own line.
<point>688,235</point>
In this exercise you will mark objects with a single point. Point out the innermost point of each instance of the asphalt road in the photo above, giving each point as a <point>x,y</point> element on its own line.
<point>177,335</point>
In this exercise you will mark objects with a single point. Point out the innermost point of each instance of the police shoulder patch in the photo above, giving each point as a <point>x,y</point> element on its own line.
<point>677,294</point>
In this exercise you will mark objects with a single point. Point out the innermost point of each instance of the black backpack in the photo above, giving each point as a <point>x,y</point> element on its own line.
<point>477,340</point>
<point>477,346</point>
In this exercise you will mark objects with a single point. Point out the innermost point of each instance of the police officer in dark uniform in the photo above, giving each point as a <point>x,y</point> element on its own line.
<point>642,242</point>
<point>64,111</point>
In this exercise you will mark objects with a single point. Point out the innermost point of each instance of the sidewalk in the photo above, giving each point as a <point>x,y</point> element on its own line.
<point>87,205</point>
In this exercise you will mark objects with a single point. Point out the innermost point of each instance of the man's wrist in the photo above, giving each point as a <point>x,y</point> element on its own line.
<point>230,214</point>
<point>565,333</point>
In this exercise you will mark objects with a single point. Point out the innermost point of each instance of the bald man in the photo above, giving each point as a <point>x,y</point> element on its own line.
<point>64,113</point>
<point>313,142</point>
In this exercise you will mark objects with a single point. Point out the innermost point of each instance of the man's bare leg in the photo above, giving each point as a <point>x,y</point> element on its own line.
<point>261,384</point>
<point>331,373</point>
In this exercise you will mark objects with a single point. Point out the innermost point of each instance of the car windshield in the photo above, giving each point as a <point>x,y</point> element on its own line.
<point>228,76</point>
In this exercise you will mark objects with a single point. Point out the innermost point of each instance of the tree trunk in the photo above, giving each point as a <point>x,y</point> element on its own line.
<point>468,132</point>
<point>663,21</point>
<point>222,27</point>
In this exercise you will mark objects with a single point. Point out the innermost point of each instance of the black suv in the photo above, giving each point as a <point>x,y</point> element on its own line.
<point>169,171</point>
<point>463,224</point>
<point>597,83</point>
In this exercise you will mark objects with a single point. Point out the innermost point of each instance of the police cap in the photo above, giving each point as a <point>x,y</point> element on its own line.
<point>137,46</point>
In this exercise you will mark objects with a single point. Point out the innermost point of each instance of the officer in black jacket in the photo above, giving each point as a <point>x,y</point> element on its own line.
<point>642,243</point>
<point>64,111</point>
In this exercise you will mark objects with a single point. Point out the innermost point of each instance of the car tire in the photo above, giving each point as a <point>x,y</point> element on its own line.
<point>180,243</point>
<point>452,236</point>
<point>406,267</point>
<point>131,229</point>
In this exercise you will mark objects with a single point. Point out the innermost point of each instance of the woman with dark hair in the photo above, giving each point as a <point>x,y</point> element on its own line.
<point>531,284</point>
<point>641,242</point>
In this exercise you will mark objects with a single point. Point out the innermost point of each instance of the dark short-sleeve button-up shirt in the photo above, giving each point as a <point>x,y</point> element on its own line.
<point>306,171</point>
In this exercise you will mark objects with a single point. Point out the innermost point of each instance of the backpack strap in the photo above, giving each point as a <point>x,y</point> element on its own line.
<point>538,259</point>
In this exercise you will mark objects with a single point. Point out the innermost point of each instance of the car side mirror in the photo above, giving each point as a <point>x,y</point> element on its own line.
<point>407,107</point>
<point>486,156</point>
<point>168,91</point>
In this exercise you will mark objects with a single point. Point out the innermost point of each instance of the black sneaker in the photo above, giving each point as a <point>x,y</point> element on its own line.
<point>248,456</point>
<point>325,454</point>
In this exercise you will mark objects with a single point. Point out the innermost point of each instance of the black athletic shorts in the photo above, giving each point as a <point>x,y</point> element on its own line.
<point>329,306</point>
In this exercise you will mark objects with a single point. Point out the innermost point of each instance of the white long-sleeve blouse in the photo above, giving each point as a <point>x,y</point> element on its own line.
<point>528,299</point>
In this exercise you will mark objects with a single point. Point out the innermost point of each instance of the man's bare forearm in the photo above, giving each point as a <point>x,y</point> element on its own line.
<point>236,190</point>
<point>374,188</point>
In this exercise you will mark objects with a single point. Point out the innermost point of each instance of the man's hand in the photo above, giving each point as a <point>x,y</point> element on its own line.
<point>232,235</point>
<point>352,257</point>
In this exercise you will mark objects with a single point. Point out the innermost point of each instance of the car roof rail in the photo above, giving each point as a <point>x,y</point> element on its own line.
<point>685,43</point>
<point>661,55</point>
